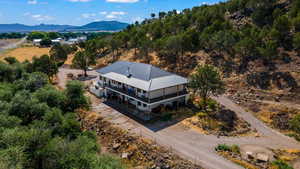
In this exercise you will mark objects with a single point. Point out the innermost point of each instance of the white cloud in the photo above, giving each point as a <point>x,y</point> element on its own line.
<point>110,16</point>
<point>39,17</point>
<point>32,2</point>
<point>118,13</point>
<point>123,1</point>
<point>103,13</point>
<point>88,15</point>
<point>80,0</point>
<point>107,15</point>
<point>115,14</point>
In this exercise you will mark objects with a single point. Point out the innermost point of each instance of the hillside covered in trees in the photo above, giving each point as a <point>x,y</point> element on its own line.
<point>254,43</point>
<point>233,35</point>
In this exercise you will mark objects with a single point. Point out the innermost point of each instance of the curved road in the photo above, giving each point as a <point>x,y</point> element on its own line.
<point>188,143</point>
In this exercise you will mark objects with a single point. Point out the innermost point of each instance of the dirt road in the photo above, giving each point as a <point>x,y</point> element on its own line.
<point>190,144</point>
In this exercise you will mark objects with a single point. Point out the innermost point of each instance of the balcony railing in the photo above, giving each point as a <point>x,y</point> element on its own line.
<point>145,99</point>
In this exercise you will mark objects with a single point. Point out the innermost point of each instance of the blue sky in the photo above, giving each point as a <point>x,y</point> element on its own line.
<point>79,12</point>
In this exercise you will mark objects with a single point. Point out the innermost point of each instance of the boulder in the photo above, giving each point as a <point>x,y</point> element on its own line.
<point>258,153</point>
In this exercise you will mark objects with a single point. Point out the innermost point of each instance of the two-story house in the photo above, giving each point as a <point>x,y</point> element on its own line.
<point>142,87</point>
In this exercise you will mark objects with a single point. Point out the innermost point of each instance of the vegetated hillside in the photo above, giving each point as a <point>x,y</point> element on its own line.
<point>256,43</point>
<point>94,26</point>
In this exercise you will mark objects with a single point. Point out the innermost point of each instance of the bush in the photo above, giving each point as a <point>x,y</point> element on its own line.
<point>235,148</point>
<point>223,147</point>
<point>202,115</point>
<point>281,164</point>
<point>11,60</point>
<point>295,124</point>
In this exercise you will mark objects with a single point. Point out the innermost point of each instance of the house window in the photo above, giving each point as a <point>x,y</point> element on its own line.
<point>139,103</point>
<point>144,105</point>
<point>139,90</point>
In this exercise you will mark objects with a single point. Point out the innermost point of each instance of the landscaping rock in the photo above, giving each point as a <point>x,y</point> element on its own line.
<point>258,153</point>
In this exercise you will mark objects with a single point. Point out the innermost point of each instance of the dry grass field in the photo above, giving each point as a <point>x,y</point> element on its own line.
<point>25,53</point>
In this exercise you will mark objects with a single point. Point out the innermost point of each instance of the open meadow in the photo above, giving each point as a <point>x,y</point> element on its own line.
<point>25,53</point>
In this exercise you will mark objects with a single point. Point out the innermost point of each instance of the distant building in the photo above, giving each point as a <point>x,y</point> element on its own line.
<point>76,40</point>
<point>56,41</point>
<point>36,42</point>
<point>142,88</point>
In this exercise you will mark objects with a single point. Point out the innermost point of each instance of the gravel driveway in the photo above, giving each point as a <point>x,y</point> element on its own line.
<point>190,144</point>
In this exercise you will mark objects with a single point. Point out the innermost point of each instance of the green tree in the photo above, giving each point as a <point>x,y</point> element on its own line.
<point>32,81</point>
<point>268,51</point>
<point>36,35</point>
<point>153,15</point>
<point>296,42</point>
<point>13,157</point>
<point>51,96</point>
<point>206,81</point>
<point>45,65</point>
<point>75,95</point>
<point>53,35</point>
<point>46,42</point>
<point>11,60</point>
<point>83,60</point>
<point>58,53</point>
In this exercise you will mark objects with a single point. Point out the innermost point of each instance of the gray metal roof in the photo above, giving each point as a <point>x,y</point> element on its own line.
<point>140,75</point>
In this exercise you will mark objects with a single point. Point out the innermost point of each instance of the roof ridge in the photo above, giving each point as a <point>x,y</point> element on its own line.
<point>150,74</point>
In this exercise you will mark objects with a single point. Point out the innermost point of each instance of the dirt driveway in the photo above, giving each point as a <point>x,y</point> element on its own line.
<point>188,143</point>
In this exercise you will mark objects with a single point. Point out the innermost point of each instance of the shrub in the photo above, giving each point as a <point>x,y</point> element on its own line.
<point>223,147</point>
<point>281,164</point>
<point>235,148</point>
<point>295,123</point>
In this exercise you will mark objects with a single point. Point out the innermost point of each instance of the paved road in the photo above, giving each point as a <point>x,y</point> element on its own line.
<point>13,45</point>
<point>188,143</point>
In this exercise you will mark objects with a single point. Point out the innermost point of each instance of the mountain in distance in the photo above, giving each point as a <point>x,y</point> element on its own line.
<point>102,26</point>
<point>94,26</point>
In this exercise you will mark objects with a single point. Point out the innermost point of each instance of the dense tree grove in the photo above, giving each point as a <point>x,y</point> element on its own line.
<point>38,127</point>
<point>11,35</point>
<point>263,27</point>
